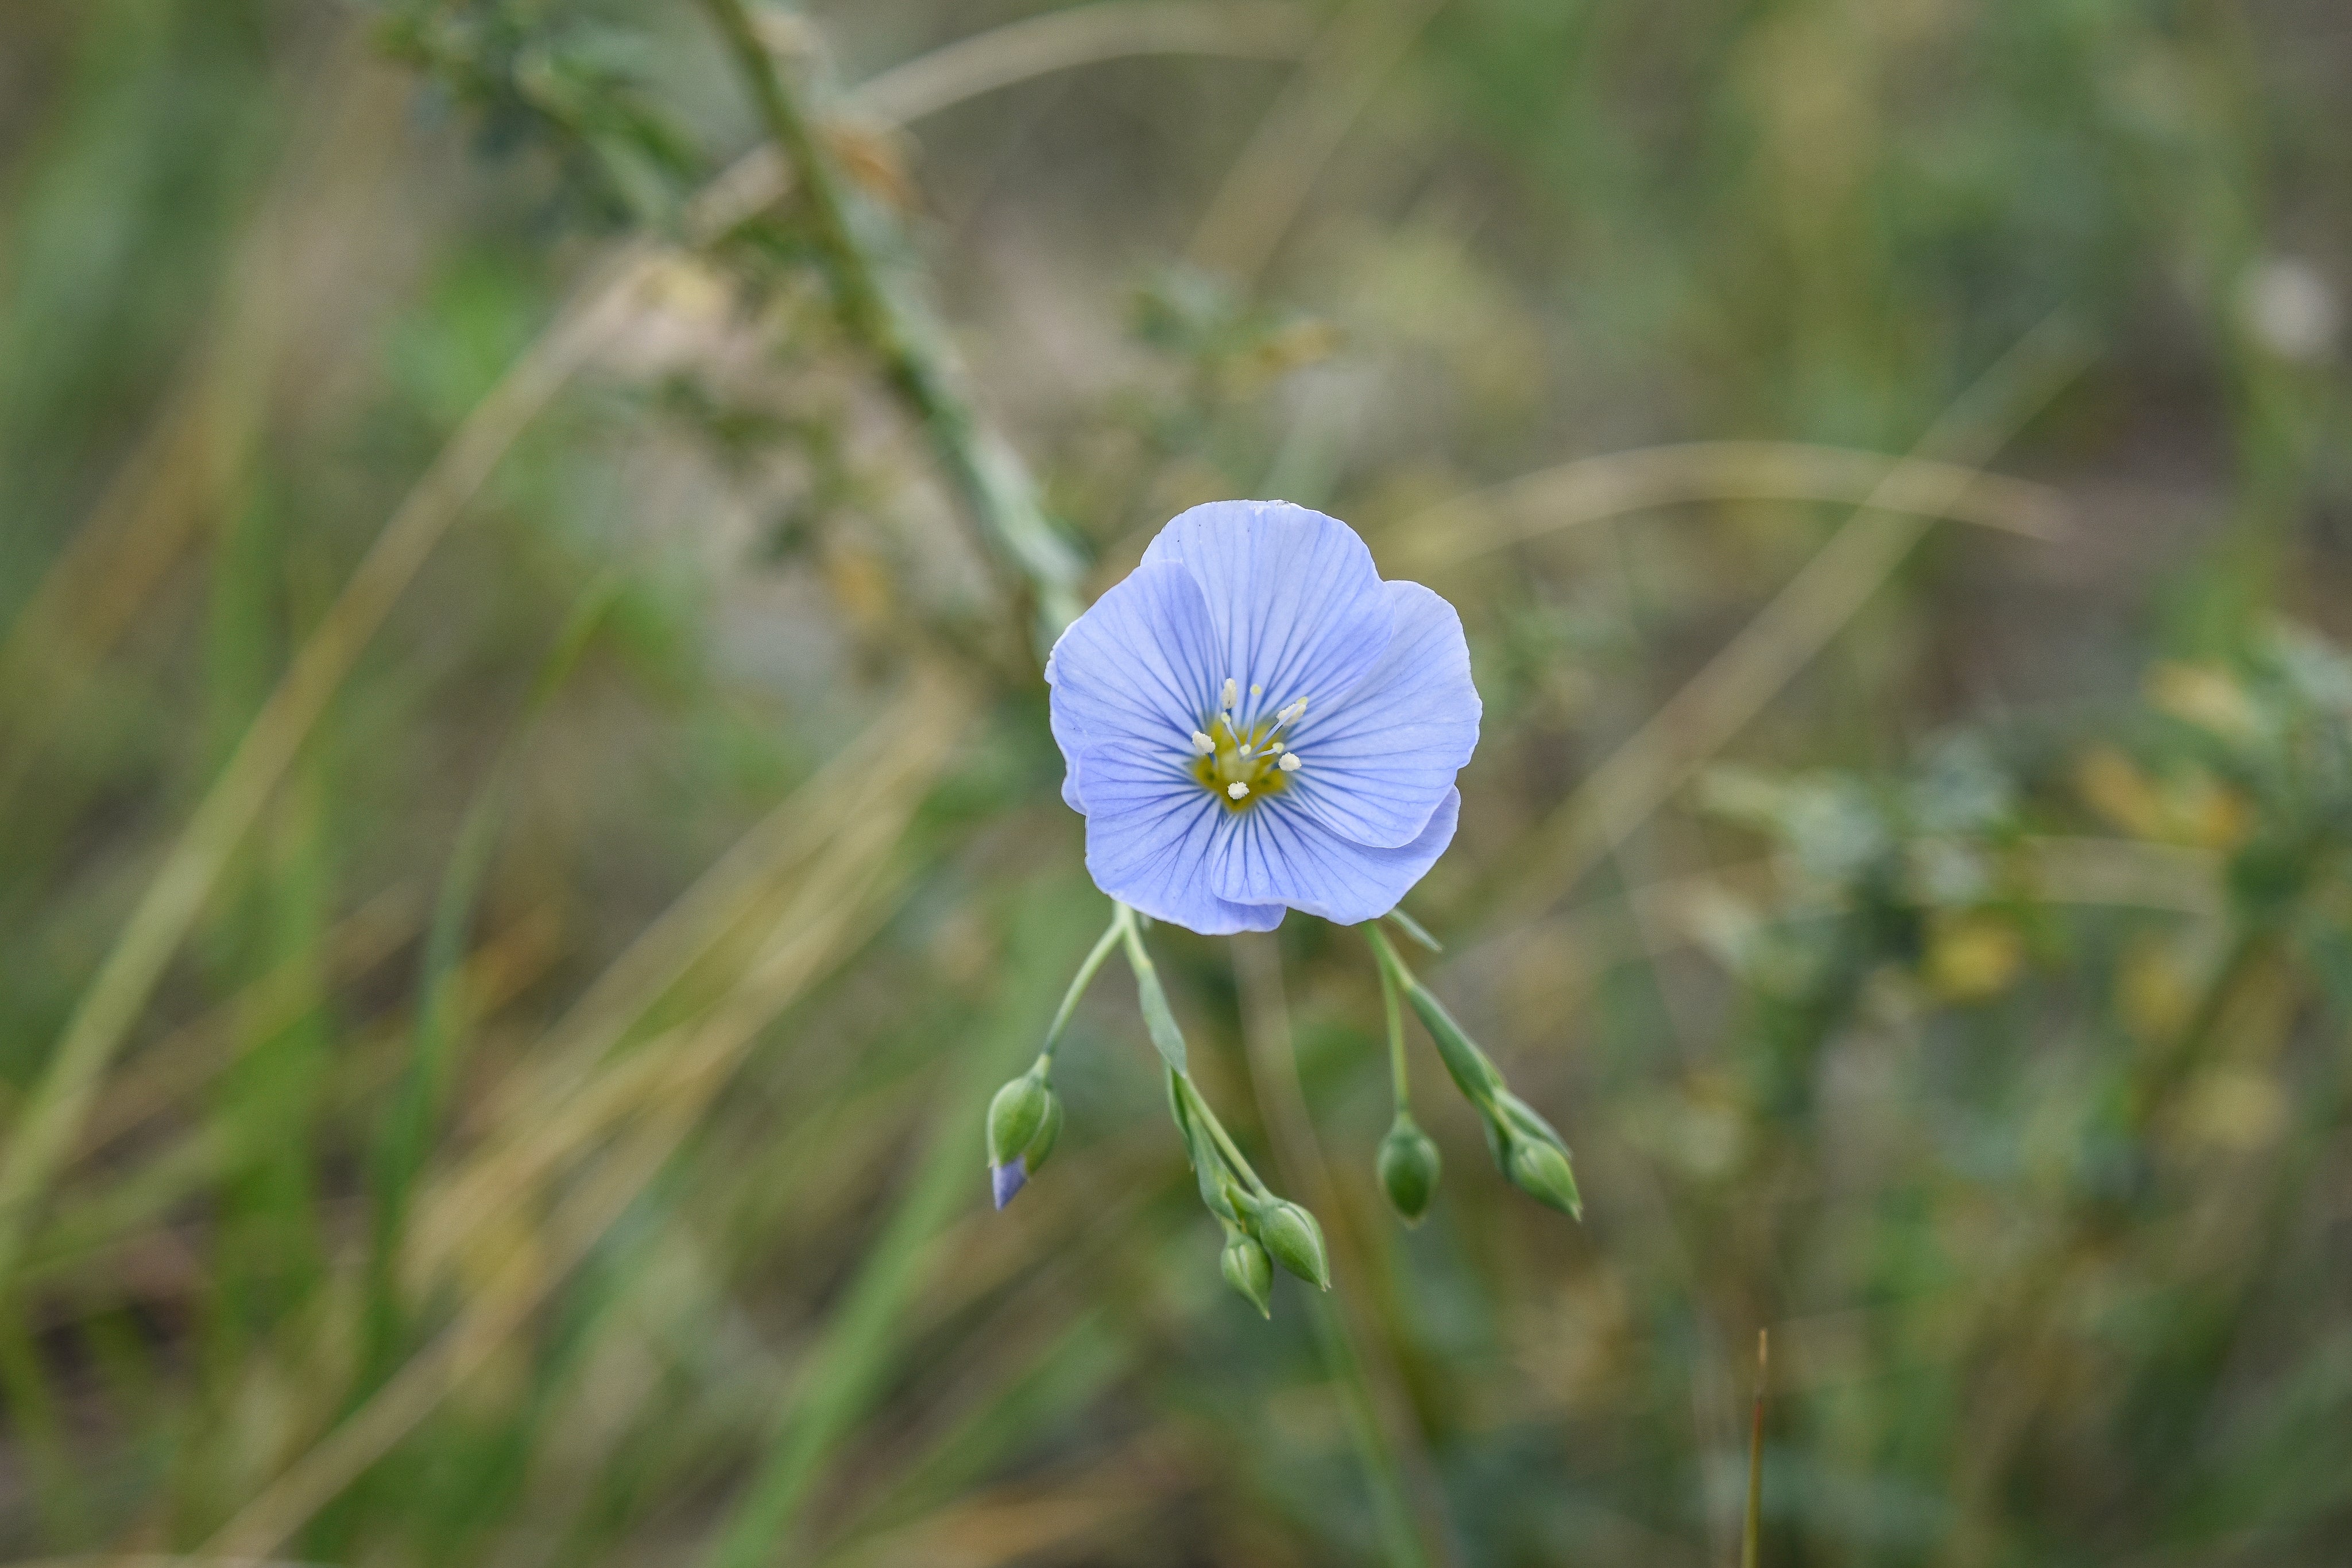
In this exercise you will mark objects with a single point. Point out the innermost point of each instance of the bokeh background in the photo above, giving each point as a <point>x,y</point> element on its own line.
<point>527,832</point>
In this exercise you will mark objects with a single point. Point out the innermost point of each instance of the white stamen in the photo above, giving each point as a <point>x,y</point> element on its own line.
<point>1292,714</point>
<point>1245,750</point>
<point>1237,788</point>
<point>1257,691</point>
<point>1233,693</point>
<point>1290,762</point>
<point>1203,745</point>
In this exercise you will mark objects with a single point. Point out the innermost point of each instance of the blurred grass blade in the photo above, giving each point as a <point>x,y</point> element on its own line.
<point>1592,488</point>
<point>415,1109</point>
<point>654,1095</point>
<point>572,1088</point>
<point>1800,620</point>
<point>1408,1503</point>
<point>1080,36</point>
<point>847,1359</point>
<point>50,1120</point>
<point>1751,1530</point>
<point>1263,193</point>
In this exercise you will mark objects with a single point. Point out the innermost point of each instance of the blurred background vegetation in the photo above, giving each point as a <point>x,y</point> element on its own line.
<point>528,830</point>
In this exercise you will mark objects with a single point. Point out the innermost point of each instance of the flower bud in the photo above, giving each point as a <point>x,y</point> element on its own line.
<point>1296,1240</point>
<point>1249,1272</point>
<point>1024,1120</point>
<point>1542,1170</point>
<point>1016,1115</point>
<point>1408,1167</point>
<point>1033,1157</point>
<point>1005,1182</point>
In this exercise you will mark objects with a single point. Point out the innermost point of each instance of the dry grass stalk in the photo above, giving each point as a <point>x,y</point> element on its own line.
<point>654,1095</point>
<point>1591,489</point>
<point>1801,620</point>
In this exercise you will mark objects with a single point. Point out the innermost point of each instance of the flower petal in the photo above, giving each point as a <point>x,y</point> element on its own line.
<point>1294,596</point>
<point>1375,762</point>
<point>1278,853</point>
<point>1134,671</point>
<point>1149,842</point>
<point>1071,739</point>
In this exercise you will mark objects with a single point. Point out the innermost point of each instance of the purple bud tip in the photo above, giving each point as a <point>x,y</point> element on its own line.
<point>1007,1180</point>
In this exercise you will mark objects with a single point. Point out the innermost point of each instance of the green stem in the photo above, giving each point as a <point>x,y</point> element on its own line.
<point>1399,1077</point>
<point>853,237</point>
<point>1393,969</point>
<point>1199,1107</point>
<point>1078,985</point>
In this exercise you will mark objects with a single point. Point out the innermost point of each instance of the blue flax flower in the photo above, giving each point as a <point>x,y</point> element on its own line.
<point>1253,721</point>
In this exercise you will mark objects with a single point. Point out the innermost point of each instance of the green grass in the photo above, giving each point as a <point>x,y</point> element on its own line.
<point>528,833</point>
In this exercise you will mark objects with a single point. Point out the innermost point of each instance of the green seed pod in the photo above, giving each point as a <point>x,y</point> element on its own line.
<point>1542,1170</point>
<point>1033,1156</point>
<point>1407,1165</point>
<point>1016,1115</point>
<point>1296,1240</point>
<point>1249,1272</point>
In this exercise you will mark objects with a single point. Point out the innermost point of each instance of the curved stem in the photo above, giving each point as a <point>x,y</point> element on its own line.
<point>1400,1077</point>
<point>1233,1156</point>
<point>1392,970</point>
<point>1078,985</point>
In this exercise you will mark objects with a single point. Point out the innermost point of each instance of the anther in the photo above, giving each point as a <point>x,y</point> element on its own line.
<point>1233,693</point>
<point>1289,762</point>
<point>1292,714</point>
<point>1203,745</point>
<point>1237,788</point>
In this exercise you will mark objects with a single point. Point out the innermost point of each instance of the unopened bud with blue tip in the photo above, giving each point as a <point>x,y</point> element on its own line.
<point>1024,1120</point>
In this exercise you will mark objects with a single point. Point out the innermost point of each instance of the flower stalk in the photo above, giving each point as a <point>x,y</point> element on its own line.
<point>1025,1116</point>
<point>1526,1148</point>
<point>1257,1221</point>
<point>1408,1163</point>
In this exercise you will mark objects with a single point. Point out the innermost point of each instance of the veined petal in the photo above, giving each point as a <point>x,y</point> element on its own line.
<point>1149,840</point>
<point>1274,855</point>
<point>1135,670</point>
<point>1293,595</point>
<point>1375,763</point>
<point>1071,739</point>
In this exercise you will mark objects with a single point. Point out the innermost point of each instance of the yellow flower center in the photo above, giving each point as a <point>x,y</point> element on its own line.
<point>1242,767</point>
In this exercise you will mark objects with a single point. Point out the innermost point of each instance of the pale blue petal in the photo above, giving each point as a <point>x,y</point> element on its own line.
<point>1071,739</point>
<point>1277,854</point>
<point>1374,764</point>
<point>1133,672</point>
<point>1293,595</point>
<point>1149,842</point>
